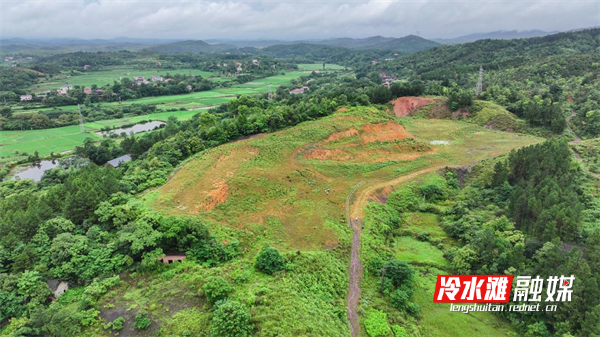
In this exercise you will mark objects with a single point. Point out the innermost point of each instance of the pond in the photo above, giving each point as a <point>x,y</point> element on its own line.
<point>37,170</point>
<point>140,127</point>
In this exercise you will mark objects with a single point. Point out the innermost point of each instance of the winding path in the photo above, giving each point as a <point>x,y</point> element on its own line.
<point>355,268</point>
<point>355,223</point>
<point>576,141</point>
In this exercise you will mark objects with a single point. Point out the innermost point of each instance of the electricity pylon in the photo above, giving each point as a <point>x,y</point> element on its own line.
<point>479,87</point>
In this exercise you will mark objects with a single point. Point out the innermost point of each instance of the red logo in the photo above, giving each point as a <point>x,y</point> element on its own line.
<point>472,288</point>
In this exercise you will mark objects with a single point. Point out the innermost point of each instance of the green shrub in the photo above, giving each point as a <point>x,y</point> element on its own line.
<point>231,319</point>
<point>117,324</point>
<point>399,299</point>
<point>413,309</point>
<point>269,260</point>
<point>398,272</point>
<point>142,321</point>
<point>376,323</point>
<point>399,331</point>
<point>216,288</point>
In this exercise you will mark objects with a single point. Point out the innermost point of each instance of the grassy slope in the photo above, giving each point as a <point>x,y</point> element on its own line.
<point>266,190</point>
<point>427,259</point>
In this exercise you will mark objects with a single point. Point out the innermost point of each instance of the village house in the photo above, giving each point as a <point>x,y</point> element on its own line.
<point>168,80</point>
<point>189,87</point>
<point>239,69</point>
<point>64,89</point>
<point>171,257</point>
<point>99,92</point>
<point>41,96</point>
<point>87,90</point>
<point>29,58</point>
<point>238,64</point>
<point>158,63</point>
<point>14,65</point>
<point>374,62</point>
<point>58,287</point>
<point>86,67</point>
<point>140,80</point>
<point>117,161</point>
<point>25,98</point>
<point>255,62</point>
<point>156,78</point>
<point>8,58</point>
<point>299,90</point>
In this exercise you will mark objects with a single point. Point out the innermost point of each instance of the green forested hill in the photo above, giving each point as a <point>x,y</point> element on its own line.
<point>191,46</point>
<point>560,70</point>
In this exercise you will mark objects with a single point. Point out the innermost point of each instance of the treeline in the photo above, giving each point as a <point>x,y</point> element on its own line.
<point>45,119</point>
<point>532,216</point>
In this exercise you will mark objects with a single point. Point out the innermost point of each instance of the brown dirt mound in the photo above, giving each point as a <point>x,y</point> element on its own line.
<point>404,105</point>
<point>342,109</point>
<point>383,132</point>
<point>343,134</point>
<point>216,196</point>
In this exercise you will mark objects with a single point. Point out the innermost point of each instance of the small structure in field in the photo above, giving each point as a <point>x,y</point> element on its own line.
<point>58,287</point>
<point>156,78</point>
<point>171,257</point>
<point>158,63</point>
<point>86,67</point>
<point>117,161</point>
<point>256,62</point>
<point>25,98</point>
<point>87,90</point>
<point>299,90</point>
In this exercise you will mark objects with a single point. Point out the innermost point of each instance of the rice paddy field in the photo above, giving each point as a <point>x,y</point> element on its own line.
<point>319,66</point>
<point>66,138</point>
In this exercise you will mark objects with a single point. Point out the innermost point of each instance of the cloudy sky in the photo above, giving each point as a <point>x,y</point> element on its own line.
<point>255,19</point>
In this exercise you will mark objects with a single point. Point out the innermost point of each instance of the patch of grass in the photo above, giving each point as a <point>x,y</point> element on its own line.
<point>411,250</point>
<point>438,321</point>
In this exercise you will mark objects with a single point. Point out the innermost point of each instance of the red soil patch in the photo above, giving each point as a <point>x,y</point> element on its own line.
<point>216,196</point>
<point>383,132</point>
<point>343,134</point>
<point>404,105</point>
<point>342,109</point>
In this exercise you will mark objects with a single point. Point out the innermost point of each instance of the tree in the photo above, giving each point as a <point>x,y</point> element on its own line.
<point>231,319</point>
<point>269,260</point>
<point>216,289</point>
<point>398,272</point>
<point>6,111</point>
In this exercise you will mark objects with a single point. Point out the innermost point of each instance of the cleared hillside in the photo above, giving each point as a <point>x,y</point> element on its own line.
<point>288,189</point>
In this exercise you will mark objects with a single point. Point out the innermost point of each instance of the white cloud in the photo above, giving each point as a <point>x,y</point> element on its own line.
<point>287,19</point>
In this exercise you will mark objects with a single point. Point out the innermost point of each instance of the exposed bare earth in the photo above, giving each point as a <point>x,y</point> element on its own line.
<point>404,105</point>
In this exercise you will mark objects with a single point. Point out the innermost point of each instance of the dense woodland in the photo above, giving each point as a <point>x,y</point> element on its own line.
<point>532,212</point>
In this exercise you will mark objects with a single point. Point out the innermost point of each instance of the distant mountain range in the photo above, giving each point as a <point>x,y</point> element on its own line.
<point>407,44</point>
<point>497,35</point>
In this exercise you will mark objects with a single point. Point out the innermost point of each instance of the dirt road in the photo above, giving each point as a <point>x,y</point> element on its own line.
<point>355,223</point>
<point>355,268</point>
